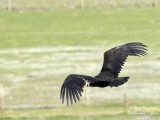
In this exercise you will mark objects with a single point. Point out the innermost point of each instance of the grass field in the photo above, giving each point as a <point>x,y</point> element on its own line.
<point>49,5</point>
<point>39,49</point>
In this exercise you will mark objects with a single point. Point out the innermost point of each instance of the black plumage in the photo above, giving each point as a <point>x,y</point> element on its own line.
<point>114,60</point>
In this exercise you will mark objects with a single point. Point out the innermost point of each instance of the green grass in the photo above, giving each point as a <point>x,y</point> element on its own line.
<point>104,117</point>
<point>98,117</point>
<point>50,5</point>
<point>106,27</point>
<point>96,112</point>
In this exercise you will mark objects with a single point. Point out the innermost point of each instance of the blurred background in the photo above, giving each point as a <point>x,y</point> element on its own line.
<point>42,41</point>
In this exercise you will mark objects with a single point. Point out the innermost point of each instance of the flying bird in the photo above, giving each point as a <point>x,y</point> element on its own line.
<point>114,60</point>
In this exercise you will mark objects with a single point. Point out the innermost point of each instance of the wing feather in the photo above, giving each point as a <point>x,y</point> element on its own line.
<point>62,94</point>
<point>74,97</point>
<point>67,94</point>
<point>115,58</point>
<point>70,95</point>
<point>72,87</point>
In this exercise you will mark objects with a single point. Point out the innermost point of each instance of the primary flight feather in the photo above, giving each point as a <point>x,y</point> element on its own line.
<point>114,59</point>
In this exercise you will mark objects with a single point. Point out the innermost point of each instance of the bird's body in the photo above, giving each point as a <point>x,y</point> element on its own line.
<point>114,60</point>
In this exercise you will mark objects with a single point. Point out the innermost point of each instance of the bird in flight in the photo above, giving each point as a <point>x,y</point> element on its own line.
<point>114,60</point>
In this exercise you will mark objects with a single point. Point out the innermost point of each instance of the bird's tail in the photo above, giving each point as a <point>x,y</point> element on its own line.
<point>118,81</point>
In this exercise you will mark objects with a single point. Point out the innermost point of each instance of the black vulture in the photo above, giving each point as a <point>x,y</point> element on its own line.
<point>114,59</point>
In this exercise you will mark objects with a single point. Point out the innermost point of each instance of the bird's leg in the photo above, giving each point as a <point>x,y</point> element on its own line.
<point>88,85</point>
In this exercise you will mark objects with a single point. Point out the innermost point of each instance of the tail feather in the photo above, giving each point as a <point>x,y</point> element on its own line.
<point>119,81</point>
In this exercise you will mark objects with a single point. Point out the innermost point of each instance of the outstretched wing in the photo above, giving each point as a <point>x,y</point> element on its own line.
<point>72,87</point>
<point>115,58</point>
